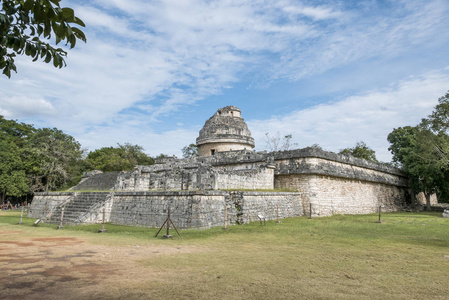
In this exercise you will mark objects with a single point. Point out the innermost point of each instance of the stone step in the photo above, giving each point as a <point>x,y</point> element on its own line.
<point>79,206</point>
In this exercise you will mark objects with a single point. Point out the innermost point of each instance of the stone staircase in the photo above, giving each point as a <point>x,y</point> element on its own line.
<point>102,182</point>
<point>80,207</point>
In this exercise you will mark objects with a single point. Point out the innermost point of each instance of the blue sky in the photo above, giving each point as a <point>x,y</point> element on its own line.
<point>152,72</point>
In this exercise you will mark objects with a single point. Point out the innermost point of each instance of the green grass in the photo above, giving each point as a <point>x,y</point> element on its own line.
<point>339,257</point>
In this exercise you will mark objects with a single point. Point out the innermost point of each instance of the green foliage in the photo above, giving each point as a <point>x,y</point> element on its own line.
<point>59,156</point>
<point>361,150</point>
<point>190,151</point>
<point>13,179</point>
<point>24,24</point>
<point>121,158</point>
<point>36,159</point>
<point>423,152</point>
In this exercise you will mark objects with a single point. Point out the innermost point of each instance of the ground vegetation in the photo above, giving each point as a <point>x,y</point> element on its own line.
<point>338,257</point>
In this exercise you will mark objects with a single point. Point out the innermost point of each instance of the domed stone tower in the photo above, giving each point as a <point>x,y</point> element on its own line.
<point>224,131</point>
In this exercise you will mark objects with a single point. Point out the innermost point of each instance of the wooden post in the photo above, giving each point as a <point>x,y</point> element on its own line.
<point>21,216</point>
<point>168,226</point>
<point>168,221</point>
<point>310,208</point>
<point>380,209</point>
<point>225,216</point>
<point>104,218</point>
<point>277,213</point>
<point>62,217</point>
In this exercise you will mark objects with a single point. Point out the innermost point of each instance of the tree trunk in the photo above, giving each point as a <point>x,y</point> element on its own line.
<point>428,207</point>
<point>413,203</point>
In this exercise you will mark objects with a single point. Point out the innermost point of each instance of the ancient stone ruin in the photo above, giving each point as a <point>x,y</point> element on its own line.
<point>228,178</point>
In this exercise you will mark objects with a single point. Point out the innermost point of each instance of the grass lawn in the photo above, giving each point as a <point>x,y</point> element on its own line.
<point>339,257</point>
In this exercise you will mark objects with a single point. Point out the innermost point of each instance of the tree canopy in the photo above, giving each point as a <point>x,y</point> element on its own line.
<point>422,152</point>
<point>42,159</point>
<point>26,27</point>
<point>120,158</point>
<point>36,159</point>
<point>361,150</point>
<point>190,151</point>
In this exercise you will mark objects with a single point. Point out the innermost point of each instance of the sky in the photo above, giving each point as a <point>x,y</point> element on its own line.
<point>330,73</point>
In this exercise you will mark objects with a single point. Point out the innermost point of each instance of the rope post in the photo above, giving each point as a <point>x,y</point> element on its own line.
<point>62,217</point>
<point>21,216</point>
<point>168,235</point>
<point>277,214</point>
<point>380,209</point>
<point>225,216</point>
<point>102,225</point>
<point>310,209</point>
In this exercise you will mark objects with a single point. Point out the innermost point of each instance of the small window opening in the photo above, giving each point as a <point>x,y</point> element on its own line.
<point>212,152</point>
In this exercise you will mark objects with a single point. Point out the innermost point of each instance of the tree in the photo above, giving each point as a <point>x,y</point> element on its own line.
<point>276,143</point>
<point>361,150</point>
<point>423,152</point>
<point>14,161</point>
<point>57,159</point>
<point>190,151</point>
<point>13,179</point>
<point>412,149</point>
<point>121,158</point>
<point>26,27</point>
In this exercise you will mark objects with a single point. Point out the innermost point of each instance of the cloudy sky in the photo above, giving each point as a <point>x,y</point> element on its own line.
<point>328,72</point>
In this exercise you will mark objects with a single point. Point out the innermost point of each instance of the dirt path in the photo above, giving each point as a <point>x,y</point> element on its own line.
<point>71,268</point>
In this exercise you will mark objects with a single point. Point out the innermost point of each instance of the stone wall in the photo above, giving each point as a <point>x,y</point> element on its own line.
<point>333,195</point>
<point>261,178</point>
<point>206,150</point>
<point>180,177</point>
<point>268,204</point>
<point>190,209</point>
<point>323,166</point>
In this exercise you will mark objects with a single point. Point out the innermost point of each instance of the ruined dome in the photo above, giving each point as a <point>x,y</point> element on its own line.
<point>226,130</point>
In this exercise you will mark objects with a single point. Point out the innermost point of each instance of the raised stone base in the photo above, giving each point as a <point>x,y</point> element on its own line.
<point>194,209</point>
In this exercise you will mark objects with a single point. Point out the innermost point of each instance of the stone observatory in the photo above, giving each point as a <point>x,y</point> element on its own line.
<point>226,130</point>
<point>228,183</point>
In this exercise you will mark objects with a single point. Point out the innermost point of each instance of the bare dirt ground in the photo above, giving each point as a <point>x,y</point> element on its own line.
<point>72,268</point>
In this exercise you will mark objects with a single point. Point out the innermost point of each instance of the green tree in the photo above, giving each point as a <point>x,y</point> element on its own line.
<point>423,152</point>
<point>26,27</point>
<point>190,151</point>
<point>14,161</point>
<point>361,150</point>
<point>13,178</point>
<point>58,157</point>
<point>412,149</point>
<point>121,158</point>
<point>34,160</point>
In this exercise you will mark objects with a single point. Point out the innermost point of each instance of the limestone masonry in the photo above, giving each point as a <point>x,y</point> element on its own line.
<point>199,190</point>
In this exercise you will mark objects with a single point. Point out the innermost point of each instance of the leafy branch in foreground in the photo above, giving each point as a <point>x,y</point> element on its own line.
<point>25,23</point>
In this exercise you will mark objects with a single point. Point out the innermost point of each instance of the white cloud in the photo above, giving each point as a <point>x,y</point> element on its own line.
<point>315,12</point>
<point>368,117</point>
<point>23,107</point>
<point>146,60</point>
